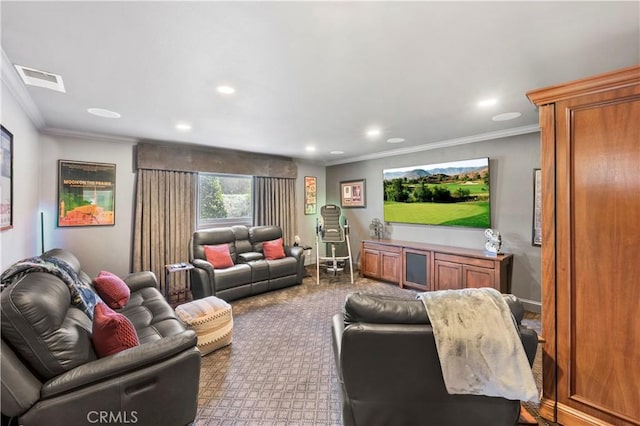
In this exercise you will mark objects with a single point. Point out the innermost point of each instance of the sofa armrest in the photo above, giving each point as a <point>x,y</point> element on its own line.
<point>139,280</point>
<point>337,330</point>
<point>121,363</point>
<point>529,339</point>
<point>250,256</point>
<point>20,388</point>
<point>203,264</point>
<point>202,279</point>
<point>295,251</point>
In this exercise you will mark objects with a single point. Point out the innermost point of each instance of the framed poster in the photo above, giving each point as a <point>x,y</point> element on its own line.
<point>310,196</point>
<point>6,180</point>
<point>86,194</point>
<point>352,193</point>
<point>536,238</point>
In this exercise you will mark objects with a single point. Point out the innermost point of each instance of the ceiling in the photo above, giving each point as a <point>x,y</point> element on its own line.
<point>317,74</point>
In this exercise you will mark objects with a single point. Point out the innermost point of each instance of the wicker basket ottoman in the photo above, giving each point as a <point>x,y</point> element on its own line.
<point>212,321</point>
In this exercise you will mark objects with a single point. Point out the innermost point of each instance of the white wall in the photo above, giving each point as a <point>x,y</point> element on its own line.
<point>24,239</point>
<point>512,161</point>
<point>109,248</point>
<point>97,247</point>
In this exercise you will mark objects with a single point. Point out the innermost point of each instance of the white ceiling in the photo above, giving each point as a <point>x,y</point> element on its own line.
<point>309,73</point>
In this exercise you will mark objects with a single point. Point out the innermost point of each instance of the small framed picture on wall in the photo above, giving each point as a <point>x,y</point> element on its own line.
<point>6,180</point>
<point>352,193</point>
<point>310,195</point>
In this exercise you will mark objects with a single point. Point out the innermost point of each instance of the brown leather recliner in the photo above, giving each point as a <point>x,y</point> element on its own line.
<point>389,372</point>
<point>52,376</point>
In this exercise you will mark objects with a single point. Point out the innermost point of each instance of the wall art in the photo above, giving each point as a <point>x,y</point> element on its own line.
<point>310,195</point>
<point>6,180</point>
<point>86,194</point>
<point>352,193</point>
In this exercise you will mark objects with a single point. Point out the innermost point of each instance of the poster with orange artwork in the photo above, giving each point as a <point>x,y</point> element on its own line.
<point>86,193</point>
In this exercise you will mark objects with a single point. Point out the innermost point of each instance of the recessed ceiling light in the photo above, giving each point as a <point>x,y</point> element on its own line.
<point>374,132</point>
<point>487,102</point>
<point>336,152</point>
<point>226,90</point>
<point>396,140</point>
<point>183,127</point>
<point>310,148</point>
<point>506,116</point>
<point>105,113</point>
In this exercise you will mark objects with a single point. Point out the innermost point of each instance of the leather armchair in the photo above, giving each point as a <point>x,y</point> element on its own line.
<point>389,372</point>
<point>51,374</point>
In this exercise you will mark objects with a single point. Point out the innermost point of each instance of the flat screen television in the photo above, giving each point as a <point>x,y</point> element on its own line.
<point>454,193</point>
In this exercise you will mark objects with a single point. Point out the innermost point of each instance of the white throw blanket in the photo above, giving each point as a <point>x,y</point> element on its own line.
<point>478,344</point>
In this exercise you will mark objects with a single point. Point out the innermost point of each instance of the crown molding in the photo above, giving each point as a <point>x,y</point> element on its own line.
<point>53,131</point>
<point>515,131</point>
<point>16,87</point>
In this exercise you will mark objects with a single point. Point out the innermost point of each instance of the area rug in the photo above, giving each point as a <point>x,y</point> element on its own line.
<point>279,370</point>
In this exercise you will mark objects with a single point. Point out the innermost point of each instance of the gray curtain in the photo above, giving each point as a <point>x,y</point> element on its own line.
<point>274,203</point>
<point>164,222</point>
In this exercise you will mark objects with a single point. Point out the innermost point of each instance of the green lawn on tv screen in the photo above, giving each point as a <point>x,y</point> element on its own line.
<point>471,214</point>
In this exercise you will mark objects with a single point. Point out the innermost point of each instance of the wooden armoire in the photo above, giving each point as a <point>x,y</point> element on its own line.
<point>590,162</point>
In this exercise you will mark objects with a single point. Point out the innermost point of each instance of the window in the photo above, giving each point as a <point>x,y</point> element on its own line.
<point>224,200</point>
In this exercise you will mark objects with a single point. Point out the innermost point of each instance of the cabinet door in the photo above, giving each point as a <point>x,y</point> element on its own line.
<point>416,269</point>
<point>597,245</point>
<point>371,263</point>
<point>390,266</point>
<point>474,277</point>
<point>448,275</point>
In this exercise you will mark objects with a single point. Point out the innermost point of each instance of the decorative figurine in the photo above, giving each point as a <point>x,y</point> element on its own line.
<point>494,241</point>
<point>376,228</point>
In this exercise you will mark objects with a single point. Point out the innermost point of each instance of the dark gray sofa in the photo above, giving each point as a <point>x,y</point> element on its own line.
<point>389,371</point>
<point>251,273</point>
<point>52,376</point>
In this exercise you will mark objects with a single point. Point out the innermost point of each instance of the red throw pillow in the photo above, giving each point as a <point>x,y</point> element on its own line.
<point>218,256</point>
<point>111,289</point>
<point>273,249</point>
<point>111,332</point>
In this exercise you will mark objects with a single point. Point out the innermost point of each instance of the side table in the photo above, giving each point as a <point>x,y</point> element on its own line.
<point>169,269</point>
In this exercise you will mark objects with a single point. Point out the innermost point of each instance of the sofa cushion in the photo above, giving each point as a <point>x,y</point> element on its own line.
<point>380,309</point>
<point>282,267</point>
<point>151,315</point>
<point>235,276</point>
<point>273,249</point>
<point>112,332</point>
<point>218,255</point>
<point>259,234</point>
<point>243,244</point>
<point>111,289</point>
<point>259,270</point>
<point>213,237</point>
<point>42,327</point>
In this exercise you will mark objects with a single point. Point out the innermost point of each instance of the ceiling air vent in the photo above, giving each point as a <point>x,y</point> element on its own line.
<point>34,77</point>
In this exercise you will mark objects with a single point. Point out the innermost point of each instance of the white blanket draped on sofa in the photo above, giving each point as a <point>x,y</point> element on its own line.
<point>478,344</point>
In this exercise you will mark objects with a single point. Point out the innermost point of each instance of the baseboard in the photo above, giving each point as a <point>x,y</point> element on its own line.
<point>531,305</point>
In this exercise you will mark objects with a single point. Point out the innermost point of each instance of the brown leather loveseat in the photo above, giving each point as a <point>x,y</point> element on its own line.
<point>51,373</point>
<point>251,273</point>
